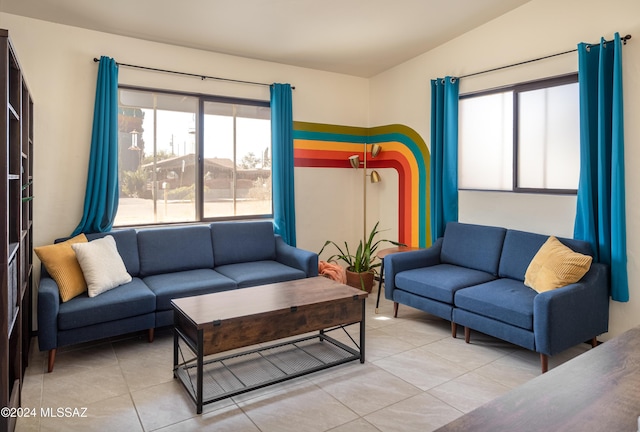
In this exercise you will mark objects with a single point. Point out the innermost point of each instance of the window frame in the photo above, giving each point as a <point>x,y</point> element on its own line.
<point>518,88</point>
<point>199,167</point>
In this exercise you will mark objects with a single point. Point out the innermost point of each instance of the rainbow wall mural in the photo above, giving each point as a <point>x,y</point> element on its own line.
<point>329,146</point>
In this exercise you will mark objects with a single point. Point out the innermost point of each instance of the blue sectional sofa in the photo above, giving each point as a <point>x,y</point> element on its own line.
<point>474,276</point>
<point>167,263</point>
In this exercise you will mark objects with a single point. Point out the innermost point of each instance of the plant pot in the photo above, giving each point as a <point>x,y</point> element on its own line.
<point>356,280</point>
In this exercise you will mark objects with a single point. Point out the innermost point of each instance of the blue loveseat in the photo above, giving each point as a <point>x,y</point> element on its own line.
<point>474,276</point>
<point>167,263</point>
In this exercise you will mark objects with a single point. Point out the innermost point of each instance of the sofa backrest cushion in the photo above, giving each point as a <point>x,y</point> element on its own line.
<point>473,246</point>
<point>237,242</point>
<point>520,247</point>
<point>171,249</point>
<point>127,244</point>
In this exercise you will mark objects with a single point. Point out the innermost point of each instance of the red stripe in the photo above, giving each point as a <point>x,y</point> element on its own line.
<point>392,159</point>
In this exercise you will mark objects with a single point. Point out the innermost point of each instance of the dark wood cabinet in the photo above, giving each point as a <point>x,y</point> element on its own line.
<point>16,228</point>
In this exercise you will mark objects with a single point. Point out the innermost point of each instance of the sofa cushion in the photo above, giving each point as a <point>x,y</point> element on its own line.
<point>520,247</point>
<point>474,246</point>
<point>238,242</point>
<point>440,282</point>
<point>185,284</point>
<point>505,300</point>
<point>128,300</point>
<point>174,249</point>
<point>260,272</point>
<point>127,244</point>
<point>101,265</point>
<point>554,266</point>
<point>61,263</point>
<point>516,335</point>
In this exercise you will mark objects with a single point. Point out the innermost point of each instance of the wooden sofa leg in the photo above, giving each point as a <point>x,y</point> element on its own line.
<point>544,362</point>
<point>454,329</point>
<point>467,334</point>
<point>151,334</point>
<point>395,309</point>
<point>52,359</point>
<point>594,342</point>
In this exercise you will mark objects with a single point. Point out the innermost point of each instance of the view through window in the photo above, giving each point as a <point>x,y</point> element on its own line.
<point>186,158</point>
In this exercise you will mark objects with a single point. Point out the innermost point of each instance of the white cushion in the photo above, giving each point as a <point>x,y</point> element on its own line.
<point>101,265</point>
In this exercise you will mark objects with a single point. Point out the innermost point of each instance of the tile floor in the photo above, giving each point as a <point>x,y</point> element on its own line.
<point>416,378</point>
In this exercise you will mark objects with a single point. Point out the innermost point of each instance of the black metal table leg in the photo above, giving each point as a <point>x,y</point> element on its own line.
<point>199,367</point>
<point>362,333</point>
<point>381,279</point>
<point>175,352</point>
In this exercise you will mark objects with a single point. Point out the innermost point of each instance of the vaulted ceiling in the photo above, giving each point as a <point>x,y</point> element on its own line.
<point>354,37</point>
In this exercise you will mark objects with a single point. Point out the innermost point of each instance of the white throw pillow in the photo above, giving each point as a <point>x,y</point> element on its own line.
<point>101,265</point>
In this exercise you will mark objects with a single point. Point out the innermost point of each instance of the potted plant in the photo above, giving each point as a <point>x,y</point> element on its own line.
<point>361,268</point>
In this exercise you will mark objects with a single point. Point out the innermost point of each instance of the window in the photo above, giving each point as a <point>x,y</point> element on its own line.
<point>523,138</point>
<point>238,137</point>
<point>186,158</point>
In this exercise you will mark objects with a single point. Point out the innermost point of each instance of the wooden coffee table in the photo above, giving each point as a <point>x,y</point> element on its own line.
<point>215,323</point>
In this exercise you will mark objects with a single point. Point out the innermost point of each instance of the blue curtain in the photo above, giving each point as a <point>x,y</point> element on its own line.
<point>284,206</point>
<point>600,215</point>
<point>444,154</point>
<point>101,197</point>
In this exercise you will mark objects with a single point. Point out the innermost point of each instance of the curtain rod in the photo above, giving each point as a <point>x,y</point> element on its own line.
<point>623,39</point>
<point>202,77</point>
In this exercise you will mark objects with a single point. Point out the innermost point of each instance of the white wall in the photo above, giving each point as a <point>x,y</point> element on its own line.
<point>537,29</point>
<point>59,68</point>
<point>335,198</point>
<point>527,212</point>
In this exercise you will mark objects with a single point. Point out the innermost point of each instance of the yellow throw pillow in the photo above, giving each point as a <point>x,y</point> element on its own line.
<point>61,263</point>
<point>554,266</point>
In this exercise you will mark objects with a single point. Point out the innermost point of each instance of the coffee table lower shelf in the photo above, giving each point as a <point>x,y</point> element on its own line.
<point>237,373</point>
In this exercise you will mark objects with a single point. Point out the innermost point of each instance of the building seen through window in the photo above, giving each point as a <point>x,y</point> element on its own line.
<point>186,158</point>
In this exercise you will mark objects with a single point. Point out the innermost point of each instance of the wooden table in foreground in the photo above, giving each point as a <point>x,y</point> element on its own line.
<point>214,323</point>
<point>596,391</point>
